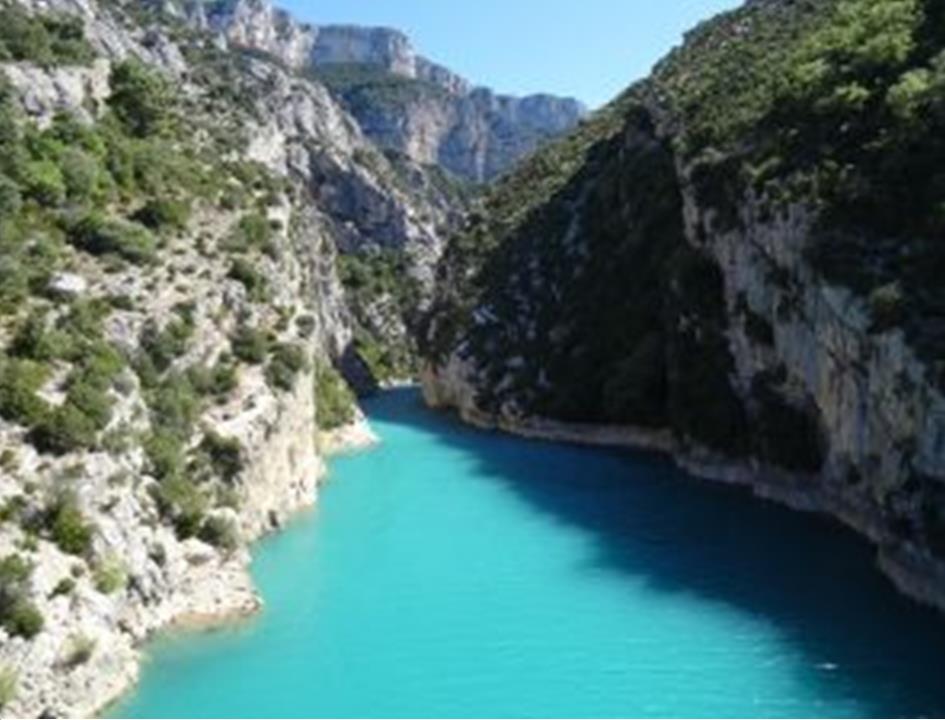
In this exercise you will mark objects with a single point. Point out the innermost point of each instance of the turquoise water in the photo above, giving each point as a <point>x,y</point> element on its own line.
<point>458,573</point>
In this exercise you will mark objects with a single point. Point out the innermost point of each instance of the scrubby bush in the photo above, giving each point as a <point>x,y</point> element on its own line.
<point>165,454</point>
<point>252,231</point>
<point>34,341</point>
<point>250,345</point>
<point>110,576</point>
<point>246,274</point>
<point>218,381</point>
<point>42,181</point>
<point>286,363</point>
<point>174,406</point>
<point>79,651</point>
<point>24,620</point>
<point>80,174</point>
<point>181,502</point>
<point>98,235</point>
<point>306,325</point>
<point>11,200</point>
<point>334,401</point>
<point>141,98</point>
<point>20,380</point>
<point>66,586</point>
<point>163,345</point>
<point>225,455</point>
<point>221,532</point>
<point>68,527</point>
<point>164,214</point>
<point>88,397</point>
<point>18,616</point>
<point>64,429</point>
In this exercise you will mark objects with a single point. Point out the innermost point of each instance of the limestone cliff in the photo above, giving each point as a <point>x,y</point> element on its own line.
<point>734,261</point>
<point>403,102</point>
<point>171,311</point>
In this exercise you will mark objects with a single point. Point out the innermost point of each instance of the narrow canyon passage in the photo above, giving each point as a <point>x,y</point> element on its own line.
<point>459,573</point>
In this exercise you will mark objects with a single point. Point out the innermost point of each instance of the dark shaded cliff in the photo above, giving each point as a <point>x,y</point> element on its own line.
<point>738,259</point>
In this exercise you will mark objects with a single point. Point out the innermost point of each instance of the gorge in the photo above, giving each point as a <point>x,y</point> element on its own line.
<point>222,230</point>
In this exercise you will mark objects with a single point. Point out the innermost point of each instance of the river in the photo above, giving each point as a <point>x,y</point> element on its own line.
<point>457,573</point>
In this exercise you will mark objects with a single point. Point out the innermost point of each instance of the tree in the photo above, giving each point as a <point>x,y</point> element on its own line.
<point>140,98</point>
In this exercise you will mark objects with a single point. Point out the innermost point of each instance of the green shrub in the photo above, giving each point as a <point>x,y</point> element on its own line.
<point>99,367</point>
<point>174,406</point>
<point>34,341</point>
<point>162,346</point>
<point>80,174</point>
<point>181,502</point>
<point>87,397</point>
<point>98,235</point>
<point>141,98</point>
<point>246,274</point>
<point>24,620</point>
<point>164,214</point>
<point>334,401</point>
<point>20,380</point>
<point>11,201</point>
<point>220,532</point>
<point>218,381</point>
<point>79,651</point>
<point>225,455</point>
<point>14,572</point>
<point>66,586</point>
<point>42,180</point>
<point>250,345</point>
<point>84,325</point>
<point>18,616</point>
<point>68,527</point>
<point>110,576</point>
<point>286,363</point>
<point>165,454</point>
<point>122,302</point>
<point>252,231</point>
<point>306,325</point>
<point>63,430</point>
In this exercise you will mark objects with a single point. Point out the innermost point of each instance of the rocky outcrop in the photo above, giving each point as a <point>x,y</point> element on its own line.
<point>403,102</point>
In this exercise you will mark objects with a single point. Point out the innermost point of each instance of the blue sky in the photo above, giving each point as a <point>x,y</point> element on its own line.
<point>590,49</point>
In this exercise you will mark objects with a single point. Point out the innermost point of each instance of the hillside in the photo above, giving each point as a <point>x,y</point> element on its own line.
<point>194,244</point>
<point>735,262</point>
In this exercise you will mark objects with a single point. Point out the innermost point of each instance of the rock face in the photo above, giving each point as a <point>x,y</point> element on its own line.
<point>404,102</point>
<point>684,272</point>
<point>213,309</point>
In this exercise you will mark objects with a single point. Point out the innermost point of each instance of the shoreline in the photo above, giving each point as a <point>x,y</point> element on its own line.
<point>912,573</point>
<point>239,600</point>
<point>354,437</point>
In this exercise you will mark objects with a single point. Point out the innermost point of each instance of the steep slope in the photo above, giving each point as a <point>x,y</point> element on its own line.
<point>171,309</point>
<point>737,262</point>
<point>403,102</point>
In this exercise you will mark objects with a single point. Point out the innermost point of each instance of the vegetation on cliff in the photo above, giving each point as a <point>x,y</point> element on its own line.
<point>572,288</point>
<point>838,105</point>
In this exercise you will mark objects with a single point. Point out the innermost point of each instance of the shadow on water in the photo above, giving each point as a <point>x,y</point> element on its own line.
<point>812,579</point>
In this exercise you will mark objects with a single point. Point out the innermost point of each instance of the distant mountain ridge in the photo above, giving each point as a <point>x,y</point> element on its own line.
<point>426,111</point>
